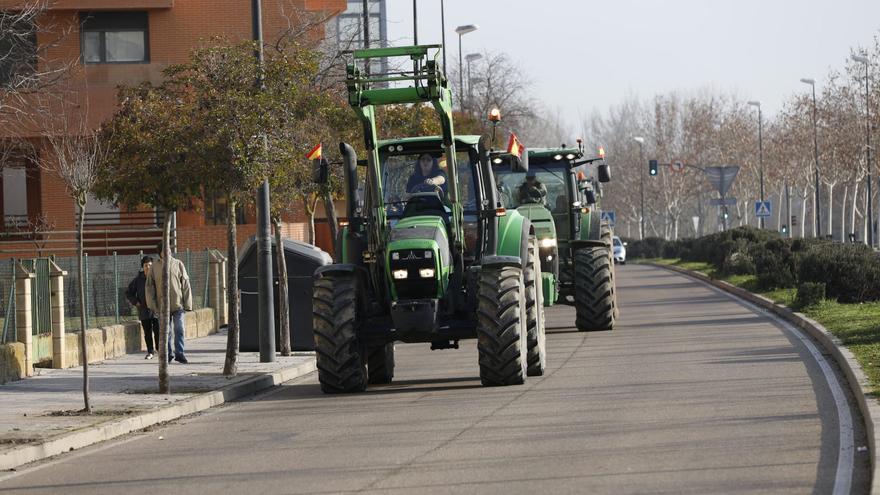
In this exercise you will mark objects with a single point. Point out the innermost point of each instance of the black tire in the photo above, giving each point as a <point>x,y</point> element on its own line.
<point>608,237</point>
<point>535,336</point>
<point>501,342</point>
<point>340,355</point>
<point>594,289</point>
<point>380,363</point>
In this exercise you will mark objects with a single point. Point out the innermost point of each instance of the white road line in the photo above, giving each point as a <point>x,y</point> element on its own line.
<point>846,451</point>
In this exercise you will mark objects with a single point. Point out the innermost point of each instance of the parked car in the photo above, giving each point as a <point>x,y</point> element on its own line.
<point>619,251</point>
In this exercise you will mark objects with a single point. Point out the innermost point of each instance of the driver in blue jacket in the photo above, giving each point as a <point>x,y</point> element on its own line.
<point>426,176</point>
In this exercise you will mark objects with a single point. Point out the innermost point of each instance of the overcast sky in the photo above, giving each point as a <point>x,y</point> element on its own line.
<point>585,54</point>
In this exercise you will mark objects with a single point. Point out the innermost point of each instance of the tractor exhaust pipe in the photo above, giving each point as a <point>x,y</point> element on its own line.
<point>349,166</point>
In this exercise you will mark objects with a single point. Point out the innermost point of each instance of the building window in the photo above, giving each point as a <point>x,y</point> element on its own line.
<point>18,50</point>
<point>15,210</point>
<point>114,37</point>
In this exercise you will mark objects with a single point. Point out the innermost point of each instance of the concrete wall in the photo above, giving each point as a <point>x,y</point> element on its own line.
<point>11,362</point>
<point>117,340</point>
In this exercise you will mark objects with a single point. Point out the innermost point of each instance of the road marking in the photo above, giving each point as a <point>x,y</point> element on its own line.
<point>846,447</point>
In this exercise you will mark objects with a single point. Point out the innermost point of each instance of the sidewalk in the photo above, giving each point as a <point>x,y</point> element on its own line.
<point>38,415</point>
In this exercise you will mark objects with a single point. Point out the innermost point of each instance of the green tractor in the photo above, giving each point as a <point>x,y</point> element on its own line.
<point>575,245</point>
<point>429,254</point>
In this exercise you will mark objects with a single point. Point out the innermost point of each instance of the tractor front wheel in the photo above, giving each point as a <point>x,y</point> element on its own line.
<point>340,355</point>
<point>380,363</point>
<point>501,326</point>
<point>535,336</point>
<point>594,289</point>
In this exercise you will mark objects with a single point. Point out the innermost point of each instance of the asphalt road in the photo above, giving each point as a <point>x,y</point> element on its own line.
<point>691,393</point>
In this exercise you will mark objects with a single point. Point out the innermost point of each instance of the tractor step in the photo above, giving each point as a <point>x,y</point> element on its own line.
<point>438,345</point>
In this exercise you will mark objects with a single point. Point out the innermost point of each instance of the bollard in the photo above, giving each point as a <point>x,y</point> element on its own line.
<point>56,291</point>
<point>24,315</point>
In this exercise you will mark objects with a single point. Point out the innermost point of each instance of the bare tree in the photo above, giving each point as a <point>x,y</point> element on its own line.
<point>75,153</point>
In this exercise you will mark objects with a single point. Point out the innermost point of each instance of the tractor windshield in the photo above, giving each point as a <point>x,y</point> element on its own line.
<point>406,174</point>
<point>542,184</point>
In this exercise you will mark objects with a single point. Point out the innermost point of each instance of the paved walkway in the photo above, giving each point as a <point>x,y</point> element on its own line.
<point>42,407</point>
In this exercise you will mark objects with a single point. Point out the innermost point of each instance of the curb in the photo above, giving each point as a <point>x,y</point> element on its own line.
<point>853,372</point>
<point>113,429</point>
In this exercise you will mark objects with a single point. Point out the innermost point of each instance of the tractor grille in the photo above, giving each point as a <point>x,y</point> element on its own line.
<point>414,286</point>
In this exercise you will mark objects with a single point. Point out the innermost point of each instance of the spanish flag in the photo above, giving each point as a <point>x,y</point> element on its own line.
<point>315,154</point>
<point>514,147</point>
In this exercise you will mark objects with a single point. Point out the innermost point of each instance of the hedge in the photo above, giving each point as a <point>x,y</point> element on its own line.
<point>850,273</point>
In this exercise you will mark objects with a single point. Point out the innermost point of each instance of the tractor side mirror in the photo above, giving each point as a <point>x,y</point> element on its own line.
<point>320,171</point>
<point>604,172</point>
<point>519,164</point>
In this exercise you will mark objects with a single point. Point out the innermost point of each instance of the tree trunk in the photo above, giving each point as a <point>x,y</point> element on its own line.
<point>804,196</point>
<point>230,367</point>
<point>283,309</point>
<point>831,210</point>
<point>83,344</point>
<point>855,208</point>
<point>165,305</point>
<point>843,213</point>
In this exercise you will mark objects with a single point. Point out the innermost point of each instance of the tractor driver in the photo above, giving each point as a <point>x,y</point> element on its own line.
<point>426,176</point>
<point>532,191</point>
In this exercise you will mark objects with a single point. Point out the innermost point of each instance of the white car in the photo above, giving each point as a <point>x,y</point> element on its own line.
<point>619,251</point>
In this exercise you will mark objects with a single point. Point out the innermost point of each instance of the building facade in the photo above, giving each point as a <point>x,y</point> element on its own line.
<point>114,42</point>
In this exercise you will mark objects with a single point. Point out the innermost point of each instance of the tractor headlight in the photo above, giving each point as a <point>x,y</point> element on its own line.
<point>399,274</point>
<point>426,273</point>
<point>548,242</point>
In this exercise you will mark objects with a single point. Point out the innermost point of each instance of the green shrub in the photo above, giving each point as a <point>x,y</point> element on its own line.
<point>651,247</point>
<point>738,263</point>
<point>775,265</point>
<point>809,294</point>
<point>850,272</point>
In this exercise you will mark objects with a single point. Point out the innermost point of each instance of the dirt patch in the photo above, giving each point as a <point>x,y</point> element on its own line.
<point>95,412</point>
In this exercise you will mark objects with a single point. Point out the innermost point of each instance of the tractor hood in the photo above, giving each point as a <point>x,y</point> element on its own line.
<point>418,258</point>
<point>541,219</point>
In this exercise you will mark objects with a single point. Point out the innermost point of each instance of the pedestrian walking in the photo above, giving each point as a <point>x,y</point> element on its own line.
<point>180,300</point>
<point>137,296</point>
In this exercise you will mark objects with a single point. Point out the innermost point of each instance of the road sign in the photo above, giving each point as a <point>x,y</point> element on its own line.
<point>676,166</point>
<point>609,216</point>
<point>763,209</point>
<point>721,178</point>
<point>722,202</point>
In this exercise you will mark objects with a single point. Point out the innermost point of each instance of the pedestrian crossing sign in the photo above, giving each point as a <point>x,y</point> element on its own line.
<point>609,217</point>
<point>763,209</point>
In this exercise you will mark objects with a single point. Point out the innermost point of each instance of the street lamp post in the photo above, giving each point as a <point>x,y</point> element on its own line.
<point>641,142</point>
<point>470,57</point>
<point>816,208</point>
<point>461,31</point>
<point>864,60</point>
<point>760,152</point>
<point>266,313</point>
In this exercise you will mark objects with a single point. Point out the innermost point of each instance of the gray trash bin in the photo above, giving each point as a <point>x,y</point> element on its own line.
<point>302,261</point>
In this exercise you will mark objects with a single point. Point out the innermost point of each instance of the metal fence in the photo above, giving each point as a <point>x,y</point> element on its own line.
<point>107,278</point>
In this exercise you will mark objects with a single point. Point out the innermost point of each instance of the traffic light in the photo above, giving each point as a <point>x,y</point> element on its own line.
<point>794,222</point>
<point>724,213</point>
<point>785,229</point>
<point>652,167</point>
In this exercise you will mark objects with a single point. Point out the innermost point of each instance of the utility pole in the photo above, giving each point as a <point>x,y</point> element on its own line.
<point>760,152</point>
<point>641,142</point>
<point>864,60</point>
<point>816,207</point>
<point>264,231</point>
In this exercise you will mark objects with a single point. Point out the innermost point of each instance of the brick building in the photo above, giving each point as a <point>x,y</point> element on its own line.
<point>113,42</point>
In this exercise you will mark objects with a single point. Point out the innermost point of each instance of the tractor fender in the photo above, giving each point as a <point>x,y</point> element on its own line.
<point>513,235</point>
<point>514,261</point>
<point>579,243</point>
<point>591,225</point>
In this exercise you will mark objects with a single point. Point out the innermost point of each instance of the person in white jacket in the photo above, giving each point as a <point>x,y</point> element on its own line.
<point>180,300</point>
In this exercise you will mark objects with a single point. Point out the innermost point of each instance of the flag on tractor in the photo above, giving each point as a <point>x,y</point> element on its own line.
<point>315,154</point>
<point>514,147</point>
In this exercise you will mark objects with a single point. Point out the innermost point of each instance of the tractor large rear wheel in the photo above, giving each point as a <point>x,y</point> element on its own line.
<point>535,336</point>
<point>340,355</point>
<point>380,363</point>
<point>594,289</point>
<point>501,327</point>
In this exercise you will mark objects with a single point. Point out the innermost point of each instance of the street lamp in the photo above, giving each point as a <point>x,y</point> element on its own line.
<point>864,60</point>
<point>816,213</point>
<point>760,152</point>
<point>470,57</point>
<point>641,142</point>
<point>461,31</point>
